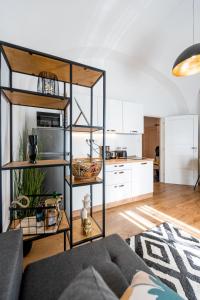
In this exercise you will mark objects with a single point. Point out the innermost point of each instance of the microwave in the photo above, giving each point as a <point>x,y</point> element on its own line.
<point>45,119</point>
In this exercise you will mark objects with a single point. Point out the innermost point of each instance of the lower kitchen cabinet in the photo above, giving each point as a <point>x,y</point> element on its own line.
<point>123,181</point>
<point>142,178</point>
<point>118,177</point>
<point>126,181</point>
<point>118,192</point>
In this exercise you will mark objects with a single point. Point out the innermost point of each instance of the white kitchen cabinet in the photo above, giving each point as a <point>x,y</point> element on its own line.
<point>123,181</point>
<point>118,182</point>
<point>142,178</point>
<point>133,118</point>
<point>118,167</point>
<point>118,177</point>
<point>118,192</point>
<point>124,117</point>
<point>114,116</point>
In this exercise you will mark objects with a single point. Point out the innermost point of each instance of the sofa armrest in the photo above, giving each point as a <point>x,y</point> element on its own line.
<point>11,264</point>
<point>124,257</point>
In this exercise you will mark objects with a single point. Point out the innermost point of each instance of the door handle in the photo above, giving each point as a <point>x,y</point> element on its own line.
<point>121,185</point>
<point>121,172</point>
<point>194,148</point>
<point>144,163</point>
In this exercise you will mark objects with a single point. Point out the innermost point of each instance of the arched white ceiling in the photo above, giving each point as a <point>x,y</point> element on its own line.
<point>135,41</point>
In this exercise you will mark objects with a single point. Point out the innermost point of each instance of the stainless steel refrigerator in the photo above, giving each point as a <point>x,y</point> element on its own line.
<point>51,146</point>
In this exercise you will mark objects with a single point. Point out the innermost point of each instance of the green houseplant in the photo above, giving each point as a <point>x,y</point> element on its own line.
<point>28,181</point>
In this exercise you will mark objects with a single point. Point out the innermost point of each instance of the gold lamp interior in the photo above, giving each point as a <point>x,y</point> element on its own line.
<point>189,66</point>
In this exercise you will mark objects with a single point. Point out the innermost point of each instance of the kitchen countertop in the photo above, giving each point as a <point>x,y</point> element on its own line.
<point>126,161</point>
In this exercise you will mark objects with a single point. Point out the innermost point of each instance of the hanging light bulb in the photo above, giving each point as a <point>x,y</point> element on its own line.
<point>188,62</point>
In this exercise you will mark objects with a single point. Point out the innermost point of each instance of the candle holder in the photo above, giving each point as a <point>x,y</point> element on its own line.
<point>48,83</point>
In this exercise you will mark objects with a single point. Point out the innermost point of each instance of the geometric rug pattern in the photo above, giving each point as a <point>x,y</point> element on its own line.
<point>173,255</point>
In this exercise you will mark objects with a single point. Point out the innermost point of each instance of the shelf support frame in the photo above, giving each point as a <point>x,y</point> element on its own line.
<point>71,157</point>
<point>103,154</point>
<point>91,151</point>
<point>1,192</point>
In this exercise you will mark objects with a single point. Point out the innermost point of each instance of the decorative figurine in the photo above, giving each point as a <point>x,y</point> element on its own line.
<point>84,212</point>
<point>87,226</point>
<point>53,215</point>
<point>20,201</point>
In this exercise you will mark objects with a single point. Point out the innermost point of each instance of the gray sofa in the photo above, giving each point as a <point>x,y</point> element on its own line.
<point>46,279</point>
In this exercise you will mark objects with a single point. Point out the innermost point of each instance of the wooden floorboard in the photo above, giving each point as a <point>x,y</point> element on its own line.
<point>174,203</point>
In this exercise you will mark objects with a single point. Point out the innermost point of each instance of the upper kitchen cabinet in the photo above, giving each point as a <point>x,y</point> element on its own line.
<point>114,116</point>
<point>133,118</point>
<point>124,117</point>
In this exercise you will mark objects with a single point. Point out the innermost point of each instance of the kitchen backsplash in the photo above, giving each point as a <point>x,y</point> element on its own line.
<point>132,142</point>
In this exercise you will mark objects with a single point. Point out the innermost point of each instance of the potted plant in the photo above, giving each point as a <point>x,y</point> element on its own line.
<point>28,182</point>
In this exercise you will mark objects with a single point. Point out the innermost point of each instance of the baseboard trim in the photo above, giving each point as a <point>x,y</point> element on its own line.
<point>96,208</point>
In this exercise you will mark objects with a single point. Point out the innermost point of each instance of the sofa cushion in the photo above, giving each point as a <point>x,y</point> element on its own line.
<point>88,285</point>
<point>46,279</point>
<point>145,286</point>
<point>112,275</point>
<point>11,264</point>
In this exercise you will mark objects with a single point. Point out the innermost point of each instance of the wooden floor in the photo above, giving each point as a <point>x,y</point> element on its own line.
<point>173,203</point>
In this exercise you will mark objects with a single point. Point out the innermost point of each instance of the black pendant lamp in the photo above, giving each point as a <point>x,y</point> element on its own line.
<point>188,62</point>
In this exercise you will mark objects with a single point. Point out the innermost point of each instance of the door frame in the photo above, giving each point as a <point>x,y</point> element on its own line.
<point>162,146</point>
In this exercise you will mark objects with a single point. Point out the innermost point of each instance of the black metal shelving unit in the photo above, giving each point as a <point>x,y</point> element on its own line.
<point>30,62</point>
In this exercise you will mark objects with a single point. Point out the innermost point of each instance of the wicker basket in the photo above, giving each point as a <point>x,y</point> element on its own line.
<point>86,168</point>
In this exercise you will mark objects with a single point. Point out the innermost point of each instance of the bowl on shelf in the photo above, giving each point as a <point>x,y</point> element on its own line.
<point>86,169</point>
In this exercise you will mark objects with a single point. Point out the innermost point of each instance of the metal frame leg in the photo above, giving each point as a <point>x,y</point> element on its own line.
<point>65,240</point>
<point>197,182</point>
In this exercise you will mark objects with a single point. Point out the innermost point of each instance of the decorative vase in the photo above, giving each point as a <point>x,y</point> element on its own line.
<point>32,148</point>
<point>40,215</point>
<point>84,212</point>
<point>48,83</point>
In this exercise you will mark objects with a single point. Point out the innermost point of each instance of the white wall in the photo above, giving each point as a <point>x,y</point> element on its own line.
<point>5,149</point>
<point>136,42</point>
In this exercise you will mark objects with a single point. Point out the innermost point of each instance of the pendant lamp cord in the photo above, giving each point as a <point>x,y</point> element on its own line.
<point>193,21</point>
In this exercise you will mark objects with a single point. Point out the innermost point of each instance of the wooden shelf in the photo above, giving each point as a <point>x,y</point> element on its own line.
<point>64,226</point>
<point>32,62</point>
<point>39,164</point>
<point>27,98</point>
<point>84,128</point>
<point>76,182</point>
<point>79,236</point>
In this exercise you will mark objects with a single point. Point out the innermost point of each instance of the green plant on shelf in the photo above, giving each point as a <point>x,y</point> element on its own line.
<point>28,181</point>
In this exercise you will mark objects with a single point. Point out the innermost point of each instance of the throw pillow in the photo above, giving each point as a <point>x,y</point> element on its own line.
<point>145,286</point>
<point>88,285</point>
<point>111,274</point>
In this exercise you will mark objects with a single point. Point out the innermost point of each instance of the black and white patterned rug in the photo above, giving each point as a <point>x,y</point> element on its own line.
<point>173,255</point>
